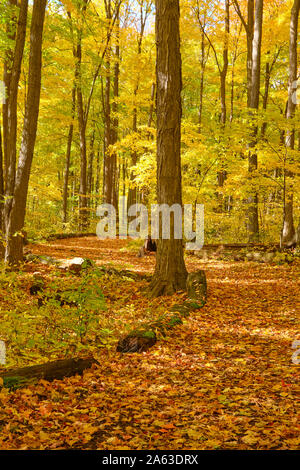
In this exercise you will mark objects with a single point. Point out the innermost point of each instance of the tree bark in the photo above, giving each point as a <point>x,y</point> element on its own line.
<point>253,221</point>
<point>1,199</point>
<point>15,220</point>
<point>82,122</point>
<point>288,229</point>
<point>8,63</point>
<point>170,272</point>
<point>132,191</point>
<point>10,118</point>
<point>68,158</point>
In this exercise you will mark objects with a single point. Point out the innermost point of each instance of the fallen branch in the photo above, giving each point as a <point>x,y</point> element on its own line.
<point>56,370</point>
<point>144,337</point>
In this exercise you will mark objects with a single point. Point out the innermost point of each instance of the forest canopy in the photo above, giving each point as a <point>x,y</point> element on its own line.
<point>96,125</point>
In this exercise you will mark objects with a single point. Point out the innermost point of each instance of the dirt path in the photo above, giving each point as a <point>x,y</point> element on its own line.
<point>224,380</point>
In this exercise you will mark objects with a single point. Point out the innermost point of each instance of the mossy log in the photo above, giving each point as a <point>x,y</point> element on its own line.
<point>55,370</point>
<point>145,337</point>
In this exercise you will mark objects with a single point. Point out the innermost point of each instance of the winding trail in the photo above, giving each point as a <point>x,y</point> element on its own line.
<point>223,380</point>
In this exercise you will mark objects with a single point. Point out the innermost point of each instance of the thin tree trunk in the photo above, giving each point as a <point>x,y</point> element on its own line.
<point>1,198</point>
<point>253,220</point>
<point>8,63</point>
<point>250,35</point>
<point>288,230</point>
<point>151,109</point>
<point>115,122</point>
<point>107,173</point>
<point>68,159</point>
<point>90,169</point>
<point>82,138</point>
<point>132,192</point>
<point>170,272</point>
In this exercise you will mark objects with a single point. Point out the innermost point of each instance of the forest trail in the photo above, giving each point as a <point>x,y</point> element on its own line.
<point>223,380</point>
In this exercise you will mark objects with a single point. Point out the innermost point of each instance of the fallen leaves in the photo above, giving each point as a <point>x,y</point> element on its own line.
<point>222,380</point>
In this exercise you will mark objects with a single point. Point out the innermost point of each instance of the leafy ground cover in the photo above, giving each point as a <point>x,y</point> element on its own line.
<point>223,380</point>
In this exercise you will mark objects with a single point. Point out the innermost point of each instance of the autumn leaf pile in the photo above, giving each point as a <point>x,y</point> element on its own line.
<point>223,380</point>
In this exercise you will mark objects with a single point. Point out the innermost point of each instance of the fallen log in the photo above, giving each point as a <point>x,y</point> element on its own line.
<point>55,370</point>
<point>143,338</point>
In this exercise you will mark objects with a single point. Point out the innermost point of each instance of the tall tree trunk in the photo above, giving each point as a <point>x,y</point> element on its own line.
<point>151,109</point>
<point>90,168</point>
<point>83,219</point>
<point>8,63</point>
<point>222,173</point>
<point>170,272</point>
<point>68,159</point>
<point>107,172</point>
<point>132,192</point>
<point>202,71</point>
<point>10,115</point>
<point>250,35</point>
<point>253,221</point>
<point>1,198</point>
<point>249,29</point>
<point>15,221</point>
<point>107,162</point>
<point>115,121</point>
<point>288,230</point>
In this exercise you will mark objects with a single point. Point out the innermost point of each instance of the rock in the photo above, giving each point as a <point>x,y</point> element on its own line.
<point>269,257</point>
<point>257,256</point>
<point>75,265</point>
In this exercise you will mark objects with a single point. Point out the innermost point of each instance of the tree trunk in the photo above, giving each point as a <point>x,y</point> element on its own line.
<point>10,117</point>
<point>133,192</point>
<point>107,173</point>
<point>253,221</point>
<point>115,122</point>
<point>8,63</point>
<point>90,169</point>
<point>1,199</point>
<point>68,159</point>
<point>83,222</point>
<point>151,109</point>
<point>288,230</point>
<point>222,173</point>
<point>250,34</point>
<point>15,221</point>
<point>170,272</point>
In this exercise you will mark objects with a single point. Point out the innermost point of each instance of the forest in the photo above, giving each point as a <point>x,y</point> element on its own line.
<point>149,225</point>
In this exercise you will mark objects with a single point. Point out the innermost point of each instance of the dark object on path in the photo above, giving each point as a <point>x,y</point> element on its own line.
<point>132,343</point>
<point>150,245</point>
<point>16,378</point>
<point>38,284</point>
